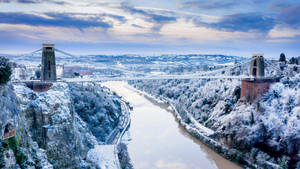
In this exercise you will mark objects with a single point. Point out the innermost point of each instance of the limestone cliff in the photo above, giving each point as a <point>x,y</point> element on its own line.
<point>56,128</point>
<point>19,150</point>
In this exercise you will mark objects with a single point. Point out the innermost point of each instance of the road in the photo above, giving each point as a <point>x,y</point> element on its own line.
<point>116,136</point>
<point>124,121</point>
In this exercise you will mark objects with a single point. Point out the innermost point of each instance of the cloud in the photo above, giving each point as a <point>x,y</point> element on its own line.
<point>284,32</point>
<point>137,26</point>
<point>243,22</point>
<point>55,34</point>
<point>34,1</point>
<point>117,17</point>
<point>189,32</point>
<point>52,20</point>
<point>279,40</point>
<point>288,13</point>
<point>157,19</point>
<point>219,4</point>
<point>27,1</point>
<point>208,5</point>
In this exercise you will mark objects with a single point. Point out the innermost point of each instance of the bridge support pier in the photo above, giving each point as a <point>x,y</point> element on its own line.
<point>39,86</point>
<point>253,89</point>
<point>256,87</point>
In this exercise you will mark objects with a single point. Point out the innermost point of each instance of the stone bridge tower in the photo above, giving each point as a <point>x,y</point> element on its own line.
<point>48,72</point>
<point>255,87</point>
<point>257,67</point>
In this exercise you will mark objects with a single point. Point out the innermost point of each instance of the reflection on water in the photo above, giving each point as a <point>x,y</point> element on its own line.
<point>159,142</point>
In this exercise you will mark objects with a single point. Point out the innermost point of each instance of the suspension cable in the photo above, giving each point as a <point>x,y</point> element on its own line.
<point>272,65</point>
<point>226,68</point>
<point>65,53</point>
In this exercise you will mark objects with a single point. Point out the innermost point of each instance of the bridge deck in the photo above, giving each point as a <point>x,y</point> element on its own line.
<point>166,77</point>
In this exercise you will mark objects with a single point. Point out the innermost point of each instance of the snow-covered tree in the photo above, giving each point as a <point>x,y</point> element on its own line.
<point>282,57</point>
<point>5,70</point>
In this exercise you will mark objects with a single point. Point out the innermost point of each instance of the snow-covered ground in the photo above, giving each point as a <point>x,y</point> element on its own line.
<point>103,157</point>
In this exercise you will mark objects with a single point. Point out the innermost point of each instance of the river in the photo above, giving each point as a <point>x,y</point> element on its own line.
<point>158,141</point>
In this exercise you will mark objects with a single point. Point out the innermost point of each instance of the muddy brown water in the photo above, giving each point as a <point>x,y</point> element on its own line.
<point>158,141</point>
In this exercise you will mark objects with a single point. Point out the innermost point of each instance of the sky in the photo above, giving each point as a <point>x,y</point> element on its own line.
<point>152,27</point>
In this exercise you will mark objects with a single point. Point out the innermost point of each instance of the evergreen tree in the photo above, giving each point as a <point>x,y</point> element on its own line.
<point>38,74</point>
<point>282,57</point>
<point>293,60</point>
<point>5,70</point>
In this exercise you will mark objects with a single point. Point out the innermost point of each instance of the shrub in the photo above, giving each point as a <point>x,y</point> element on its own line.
<point>5,70</point>
<point>294,60</point>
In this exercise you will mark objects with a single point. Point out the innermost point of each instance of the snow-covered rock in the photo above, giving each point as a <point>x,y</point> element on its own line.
<point>61,124</point>
<point>103,157</point>
<point>19,151</point>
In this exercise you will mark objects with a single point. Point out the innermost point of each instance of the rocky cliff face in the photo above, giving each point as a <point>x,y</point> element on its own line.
<point>56,128</point>
<point>97,107</point>
<point>19,151</point>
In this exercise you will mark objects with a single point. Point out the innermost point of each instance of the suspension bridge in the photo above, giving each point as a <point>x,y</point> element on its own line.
<point>214,74</point>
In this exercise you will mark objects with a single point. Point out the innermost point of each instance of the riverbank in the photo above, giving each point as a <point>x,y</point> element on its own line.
<point>121,156</point>
<point>202,133</point>
<point>158,123</point>
<point>205,135</point>
<point>266,132</point>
